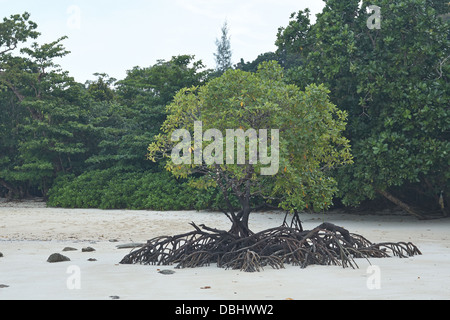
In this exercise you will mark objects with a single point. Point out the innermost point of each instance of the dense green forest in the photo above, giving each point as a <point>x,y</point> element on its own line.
<point>85,145</point>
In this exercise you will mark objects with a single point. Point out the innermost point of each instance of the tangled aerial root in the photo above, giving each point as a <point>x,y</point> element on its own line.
<point>327,244</point>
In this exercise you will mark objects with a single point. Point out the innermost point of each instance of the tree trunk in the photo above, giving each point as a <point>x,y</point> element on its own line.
<point>400,203</point>
<point>12,191</point>
<point>240,223</point>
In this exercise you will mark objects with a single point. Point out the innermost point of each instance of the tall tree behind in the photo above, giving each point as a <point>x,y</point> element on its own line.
<point>48,137</point>
<point>393,82</point>
<point>139,110</point>
<point>13,30</point>
<point>224,54</point>
<point>293,42</point>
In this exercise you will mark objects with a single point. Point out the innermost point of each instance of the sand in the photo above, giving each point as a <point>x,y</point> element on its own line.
<point>30,233</point>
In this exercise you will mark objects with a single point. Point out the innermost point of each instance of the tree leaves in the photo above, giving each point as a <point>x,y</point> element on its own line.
<point>309,124</point>
<point>390,83</point>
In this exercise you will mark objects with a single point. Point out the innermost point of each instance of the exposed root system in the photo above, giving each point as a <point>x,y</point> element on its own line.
<point>327,244</point>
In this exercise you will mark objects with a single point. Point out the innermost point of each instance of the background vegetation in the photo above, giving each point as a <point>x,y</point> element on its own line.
<point>85,145</point>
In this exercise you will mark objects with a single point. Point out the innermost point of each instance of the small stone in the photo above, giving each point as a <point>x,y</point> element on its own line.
<point>3,286</point>
<point>113,240</point>
<point>92,259</point>
<point>57,257</point>
<point>1,255</point>
<point>88,249</point>
<point>167,272</point>
<point>115,297</point>
<point>69,249</point>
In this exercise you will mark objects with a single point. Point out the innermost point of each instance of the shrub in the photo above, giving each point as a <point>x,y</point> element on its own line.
<point>108,189</point>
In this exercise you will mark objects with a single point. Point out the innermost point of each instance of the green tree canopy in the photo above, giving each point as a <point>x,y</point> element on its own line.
<point>130,116</point>
<point>15,30</point>
<point>393,82</point>
<point>41,107</point>
<point>310,140</point>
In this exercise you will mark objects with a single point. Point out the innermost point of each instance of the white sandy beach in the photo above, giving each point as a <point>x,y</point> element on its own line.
<point>30,233</point>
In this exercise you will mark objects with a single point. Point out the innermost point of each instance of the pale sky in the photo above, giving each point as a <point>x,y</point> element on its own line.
<point>113,36</point>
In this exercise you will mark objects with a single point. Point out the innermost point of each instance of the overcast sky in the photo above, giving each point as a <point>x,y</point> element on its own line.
<point>113,36</point>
